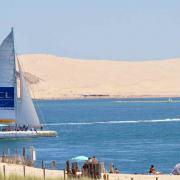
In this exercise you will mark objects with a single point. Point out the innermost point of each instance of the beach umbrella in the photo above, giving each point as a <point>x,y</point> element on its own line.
<point>80,158</point>
<point>176,170</point>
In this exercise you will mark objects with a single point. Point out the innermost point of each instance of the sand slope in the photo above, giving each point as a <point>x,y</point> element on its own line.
<point>59,77</point>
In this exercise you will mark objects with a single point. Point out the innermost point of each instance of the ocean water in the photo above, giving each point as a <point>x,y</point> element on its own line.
<point>131,134</point>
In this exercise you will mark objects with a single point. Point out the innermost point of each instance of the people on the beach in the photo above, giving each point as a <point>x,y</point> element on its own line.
<point>152,170</point>
<point>111,168</point>
<point>68,168</point>
<point>116,171</point>
<point>94,160</point>
<point>75,168</point>
<point>89,160</point>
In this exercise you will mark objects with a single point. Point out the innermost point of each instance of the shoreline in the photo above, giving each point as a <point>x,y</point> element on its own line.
<point>96,97</point>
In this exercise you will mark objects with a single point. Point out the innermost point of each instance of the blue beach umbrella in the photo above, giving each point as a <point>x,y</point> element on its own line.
<point>80,158</point>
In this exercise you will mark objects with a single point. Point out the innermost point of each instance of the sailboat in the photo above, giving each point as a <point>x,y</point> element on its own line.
<point>17,118</point>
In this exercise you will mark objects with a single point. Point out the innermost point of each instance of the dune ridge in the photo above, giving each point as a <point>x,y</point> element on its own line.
<point>52,77</point>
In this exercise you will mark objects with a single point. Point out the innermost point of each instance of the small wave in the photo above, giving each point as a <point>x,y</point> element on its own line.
<point>68,123</point>
<point>114,122</point>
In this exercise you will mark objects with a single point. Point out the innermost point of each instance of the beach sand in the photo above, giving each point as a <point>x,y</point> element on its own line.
<point>12,169</point>
<point>142,177</point>
<point>52,77</point>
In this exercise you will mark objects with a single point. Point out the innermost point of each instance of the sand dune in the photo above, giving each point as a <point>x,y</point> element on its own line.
<point>52,77</point>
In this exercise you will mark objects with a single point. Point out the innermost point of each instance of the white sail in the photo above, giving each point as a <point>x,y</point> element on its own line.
<point>8,96</point>
<point>22,113</point>
<point>26,114</point>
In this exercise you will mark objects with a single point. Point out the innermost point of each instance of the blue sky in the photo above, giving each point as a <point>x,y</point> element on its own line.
<point>94,29</point>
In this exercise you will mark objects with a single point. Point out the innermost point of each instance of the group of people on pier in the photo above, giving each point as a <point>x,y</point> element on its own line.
<point>20,128</point>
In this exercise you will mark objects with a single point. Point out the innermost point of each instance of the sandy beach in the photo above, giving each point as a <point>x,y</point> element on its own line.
<point>12,169</point>
<point>52,77</point>
<point>142,177</point>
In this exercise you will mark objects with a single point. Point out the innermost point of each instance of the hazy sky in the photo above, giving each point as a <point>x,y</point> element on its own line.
<point>98,29</point>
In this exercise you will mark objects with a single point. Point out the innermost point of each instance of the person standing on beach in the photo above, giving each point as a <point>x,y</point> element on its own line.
<point>94,160</point>
<point>111,168</point>
<point>89,160</point>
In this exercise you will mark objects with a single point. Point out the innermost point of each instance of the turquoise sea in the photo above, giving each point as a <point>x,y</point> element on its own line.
<point>132,134</point>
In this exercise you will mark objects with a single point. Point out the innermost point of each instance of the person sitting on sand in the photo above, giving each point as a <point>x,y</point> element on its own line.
<point>116,171</point>
<point>152,170</point>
